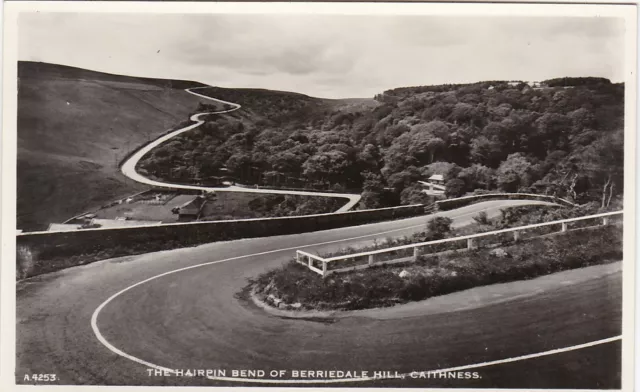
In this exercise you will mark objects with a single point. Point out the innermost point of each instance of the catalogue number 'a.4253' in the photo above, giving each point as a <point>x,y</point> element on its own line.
<point>40,378</point>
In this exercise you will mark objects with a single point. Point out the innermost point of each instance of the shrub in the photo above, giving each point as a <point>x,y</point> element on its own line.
<point>482,218</point>
<point>454,188</point>
<point>25,262</point>
<point>438,228</point>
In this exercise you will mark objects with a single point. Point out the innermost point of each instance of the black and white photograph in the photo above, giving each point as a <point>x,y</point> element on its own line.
<point>319,195</point>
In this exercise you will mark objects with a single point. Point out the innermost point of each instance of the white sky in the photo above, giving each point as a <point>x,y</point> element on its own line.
<point>326,56</point>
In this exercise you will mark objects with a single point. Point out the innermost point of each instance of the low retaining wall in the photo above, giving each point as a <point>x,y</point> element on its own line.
<point>43,252</point>
<point>450,204</point>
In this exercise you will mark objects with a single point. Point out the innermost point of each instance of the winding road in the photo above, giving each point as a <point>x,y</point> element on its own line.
<point>112,321</point>
<point>122,321</point>
<point>129,167</point>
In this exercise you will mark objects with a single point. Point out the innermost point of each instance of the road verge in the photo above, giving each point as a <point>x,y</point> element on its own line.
<point>294,286</point>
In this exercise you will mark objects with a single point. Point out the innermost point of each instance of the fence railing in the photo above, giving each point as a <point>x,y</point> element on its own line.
<point>411,252</point>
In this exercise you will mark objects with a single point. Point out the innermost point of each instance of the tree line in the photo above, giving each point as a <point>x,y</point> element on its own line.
<point>562,137</point>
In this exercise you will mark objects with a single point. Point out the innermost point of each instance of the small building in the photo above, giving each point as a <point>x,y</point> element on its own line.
<point>120,222</point>
<point>63,227</point>
<point>432,189</point>
<point>437,179</point>
<point>191,209</point>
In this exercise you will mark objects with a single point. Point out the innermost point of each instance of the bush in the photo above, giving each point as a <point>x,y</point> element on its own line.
<point>454,188</point>
<point>25,262</point>
<point>438,228</point>
<point>482,218</point>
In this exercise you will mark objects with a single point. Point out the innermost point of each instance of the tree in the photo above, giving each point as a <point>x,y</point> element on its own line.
<point>373,190</point>
<point>463,113</point>
<point>603,163</point>
<point>240,165</point>
<point>414,194</point>
<point>405,178</point>
<point>553,131</point>
<point>326,166</point>
<point>477,177</point>
<point>369,158</point>
<point>434,128</point>
<point>287,161</point>
<point>454,188</point>
<point>514,173</point>
<point>438,228</point>
<point>486,152</point>
<point>396,157</point>
<point>581,119</point>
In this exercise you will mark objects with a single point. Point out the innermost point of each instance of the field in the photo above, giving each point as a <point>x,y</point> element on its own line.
<point>224,206</point>
<point>75,126</point>
<point>238,205</point>
<point>230,205</point>
<point>139,210</point>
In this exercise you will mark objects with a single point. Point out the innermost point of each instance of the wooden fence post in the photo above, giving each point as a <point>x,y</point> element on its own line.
<point>471,243</point>
<point>371,259</point>
<point>564,226</point>
<point>416,253</point>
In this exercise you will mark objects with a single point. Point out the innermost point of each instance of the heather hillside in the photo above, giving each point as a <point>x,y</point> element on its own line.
<point>75,125</point>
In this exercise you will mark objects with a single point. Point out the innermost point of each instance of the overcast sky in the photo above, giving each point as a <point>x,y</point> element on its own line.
<point>327,56</point>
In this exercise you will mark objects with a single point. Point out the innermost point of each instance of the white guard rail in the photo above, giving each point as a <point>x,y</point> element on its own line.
<point>318,264</point>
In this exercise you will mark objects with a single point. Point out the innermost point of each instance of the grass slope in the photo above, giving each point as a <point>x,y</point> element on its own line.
<point>75,125</point>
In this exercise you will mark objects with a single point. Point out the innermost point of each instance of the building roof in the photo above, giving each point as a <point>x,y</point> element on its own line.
<point>432,185</point>
<point>113,223</point>
<point>436,177</point>
<point>63,227</point>
<point>193,206</point>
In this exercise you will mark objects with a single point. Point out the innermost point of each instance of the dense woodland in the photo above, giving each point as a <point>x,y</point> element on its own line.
<point>560,137</point>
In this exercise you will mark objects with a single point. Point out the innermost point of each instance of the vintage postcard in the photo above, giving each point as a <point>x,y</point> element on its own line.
<point>353,195</point>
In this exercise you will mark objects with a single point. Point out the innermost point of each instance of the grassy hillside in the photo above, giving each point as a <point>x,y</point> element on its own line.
<point>75,125</point>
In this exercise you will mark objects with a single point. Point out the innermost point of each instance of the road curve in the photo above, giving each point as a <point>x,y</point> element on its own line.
<point>192,318</point>
<point>129,167</point>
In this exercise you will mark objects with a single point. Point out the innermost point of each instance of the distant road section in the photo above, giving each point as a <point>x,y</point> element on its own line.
<point>129,167</point>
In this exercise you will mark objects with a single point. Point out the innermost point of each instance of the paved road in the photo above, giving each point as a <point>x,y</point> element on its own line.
<point>129,167</point>
<point>196,319</point>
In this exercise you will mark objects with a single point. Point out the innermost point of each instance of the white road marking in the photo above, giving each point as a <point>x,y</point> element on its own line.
<point>105,342</point>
